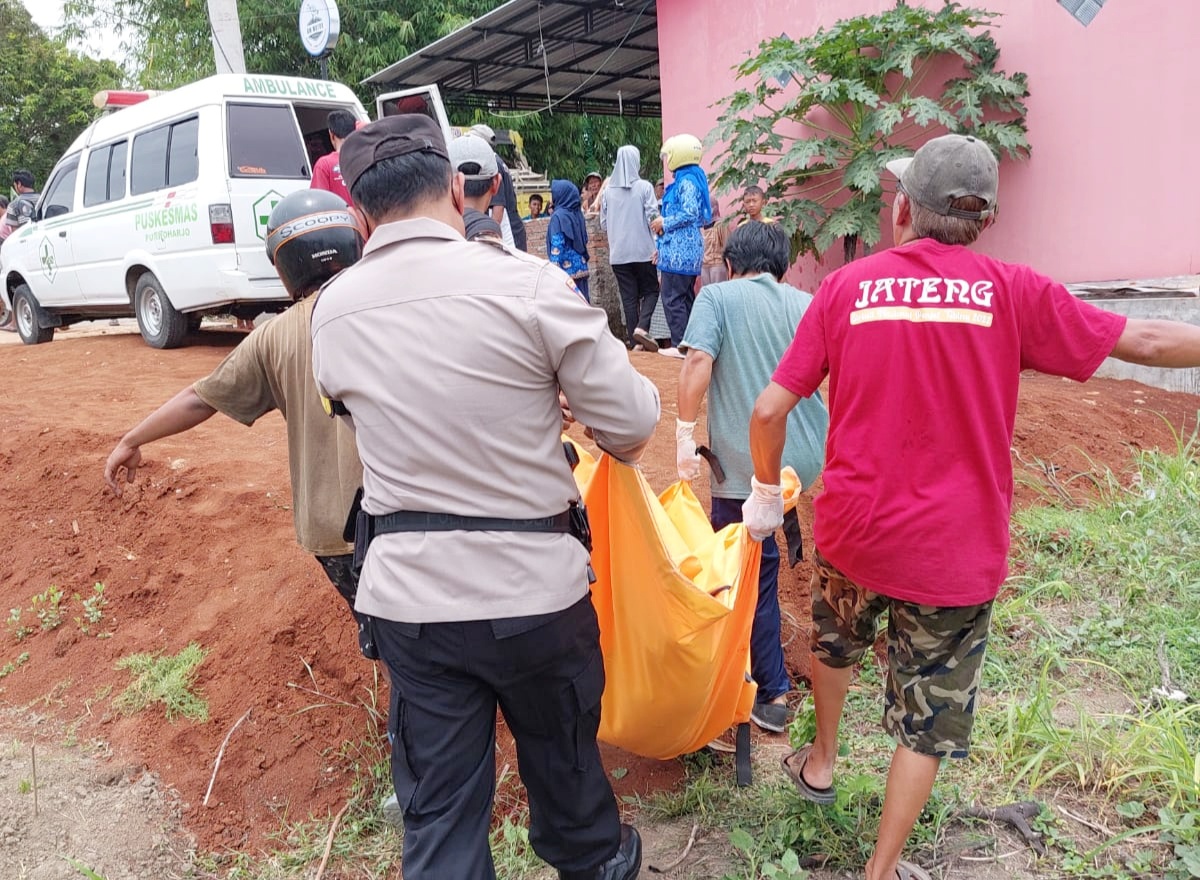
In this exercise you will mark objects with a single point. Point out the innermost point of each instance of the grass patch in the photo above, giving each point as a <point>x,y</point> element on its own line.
<point>166,680</point>
<point>1095,652</point>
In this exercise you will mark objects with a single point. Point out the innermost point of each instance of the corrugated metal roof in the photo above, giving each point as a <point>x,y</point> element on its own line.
<point>594,56</point>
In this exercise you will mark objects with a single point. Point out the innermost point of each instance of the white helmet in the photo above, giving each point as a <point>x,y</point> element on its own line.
<point>680,150</point>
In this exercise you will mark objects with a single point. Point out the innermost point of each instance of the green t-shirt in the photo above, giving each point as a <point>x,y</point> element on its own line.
<point>746,325</point>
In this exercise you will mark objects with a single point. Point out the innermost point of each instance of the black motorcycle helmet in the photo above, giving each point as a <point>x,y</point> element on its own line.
<point>311,236</point>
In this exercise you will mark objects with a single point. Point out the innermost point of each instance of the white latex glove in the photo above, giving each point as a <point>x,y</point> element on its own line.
<point>762,512</point>
<point>686,459</point>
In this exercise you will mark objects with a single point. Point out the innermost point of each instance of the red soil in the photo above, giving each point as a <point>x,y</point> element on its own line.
<point>202,549</point>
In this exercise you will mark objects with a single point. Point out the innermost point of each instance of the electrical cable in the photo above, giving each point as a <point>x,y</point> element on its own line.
<point>599,70</point>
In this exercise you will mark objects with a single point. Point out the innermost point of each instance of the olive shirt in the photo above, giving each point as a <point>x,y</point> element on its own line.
<point>451,377</point>
<point>272,369</point>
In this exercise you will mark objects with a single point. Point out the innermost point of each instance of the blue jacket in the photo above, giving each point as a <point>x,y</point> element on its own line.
<point>681,246</point>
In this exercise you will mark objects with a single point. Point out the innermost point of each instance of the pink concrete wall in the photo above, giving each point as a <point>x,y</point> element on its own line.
<point>1112,189</point>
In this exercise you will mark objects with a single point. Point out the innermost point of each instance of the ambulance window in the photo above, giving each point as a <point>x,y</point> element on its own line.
<point>60,195</point>
<point>149,171</point>
<point>116,171</point>
<point>265,142</point>
<point>95,182</point>
<point>105,177</point>
<point>183,162</point>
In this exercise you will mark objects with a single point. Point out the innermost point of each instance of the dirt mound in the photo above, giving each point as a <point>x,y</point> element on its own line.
<point>201,549</point>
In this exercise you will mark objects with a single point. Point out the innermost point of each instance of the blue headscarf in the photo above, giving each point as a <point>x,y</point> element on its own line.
<point>567,218</point>
<point>699,179</point>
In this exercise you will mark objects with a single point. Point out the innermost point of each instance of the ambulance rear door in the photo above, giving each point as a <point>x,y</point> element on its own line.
<point>426,100</point>
<point>267,160</point>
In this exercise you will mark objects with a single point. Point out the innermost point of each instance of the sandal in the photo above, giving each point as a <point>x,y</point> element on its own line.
<point>909,871</point>
<point>823,796</point>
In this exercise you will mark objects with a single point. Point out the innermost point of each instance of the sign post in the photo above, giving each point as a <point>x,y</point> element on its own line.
<point>320,27</point>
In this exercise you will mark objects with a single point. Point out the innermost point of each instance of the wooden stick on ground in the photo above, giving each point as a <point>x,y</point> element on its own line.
<point>329,841</point>
<point>33,758</point>
<point>676,862</point>
<point>221,754</point>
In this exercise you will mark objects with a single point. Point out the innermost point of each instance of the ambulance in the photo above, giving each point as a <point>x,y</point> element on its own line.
<point>159,209</point>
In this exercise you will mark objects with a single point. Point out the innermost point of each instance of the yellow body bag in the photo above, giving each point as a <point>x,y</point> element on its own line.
<point>676,603</point>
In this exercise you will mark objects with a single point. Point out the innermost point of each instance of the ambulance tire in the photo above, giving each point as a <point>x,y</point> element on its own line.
<point>162,325</point>
<point>25,310</point>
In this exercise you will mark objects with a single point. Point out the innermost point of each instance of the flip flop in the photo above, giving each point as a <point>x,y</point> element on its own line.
<point>909,871</point>
<point>795,772</point>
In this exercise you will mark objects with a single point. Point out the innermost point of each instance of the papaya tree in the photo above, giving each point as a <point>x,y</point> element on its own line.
<point>817,119</point>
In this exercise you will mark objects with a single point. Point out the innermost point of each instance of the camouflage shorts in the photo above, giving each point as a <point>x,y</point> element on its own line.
<point>935,656</point>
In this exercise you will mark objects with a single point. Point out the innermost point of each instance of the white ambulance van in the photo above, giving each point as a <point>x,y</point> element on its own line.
<point>159,210</point>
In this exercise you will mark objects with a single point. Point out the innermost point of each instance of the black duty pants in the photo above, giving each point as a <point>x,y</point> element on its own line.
<point>638,284</point>
<point>340,571</point>
<point>547,676</point>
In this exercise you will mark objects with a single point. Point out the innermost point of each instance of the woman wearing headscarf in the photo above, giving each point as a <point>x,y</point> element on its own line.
<point>686,209</point>
<point>627,207</point>
<point>566,235</point>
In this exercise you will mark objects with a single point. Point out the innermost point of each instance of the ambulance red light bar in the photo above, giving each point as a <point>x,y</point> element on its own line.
<point>114,99</point>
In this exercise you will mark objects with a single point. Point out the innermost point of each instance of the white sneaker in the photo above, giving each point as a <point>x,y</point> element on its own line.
<point>672,353</point>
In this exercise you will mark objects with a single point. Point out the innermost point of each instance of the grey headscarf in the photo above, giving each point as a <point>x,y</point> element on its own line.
<point>626,171</point>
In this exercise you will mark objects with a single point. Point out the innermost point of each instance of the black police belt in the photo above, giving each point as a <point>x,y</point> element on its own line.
<point>572,521</point>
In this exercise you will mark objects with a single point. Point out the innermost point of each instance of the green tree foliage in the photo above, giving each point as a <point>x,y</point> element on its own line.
<point>45,94</point>
<point>569,145</point>
<point>817,119</point>
<point>168,43</point>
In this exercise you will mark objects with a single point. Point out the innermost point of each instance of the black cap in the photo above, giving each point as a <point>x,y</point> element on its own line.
<point>387,138</point>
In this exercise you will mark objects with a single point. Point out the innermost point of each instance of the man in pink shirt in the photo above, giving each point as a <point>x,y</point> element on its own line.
<point>923,345</point>
<point>327,172</point>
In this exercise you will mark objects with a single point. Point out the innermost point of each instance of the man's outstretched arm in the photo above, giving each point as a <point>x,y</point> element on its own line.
<point>1154,343</point>
<point>181,413</point>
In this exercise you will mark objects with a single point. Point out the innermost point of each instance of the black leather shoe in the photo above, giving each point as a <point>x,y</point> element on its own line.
<point>625,865</point>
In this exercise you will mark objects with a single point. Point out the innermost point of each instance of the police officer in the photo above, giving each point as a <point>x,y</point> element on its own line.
<point>448,357</point>
<point>311,236</point>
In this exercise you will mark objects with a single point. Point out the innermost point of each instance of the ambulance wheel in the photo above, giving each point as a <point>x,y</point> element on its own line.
<point>25,307</point>
<point>162,325</point>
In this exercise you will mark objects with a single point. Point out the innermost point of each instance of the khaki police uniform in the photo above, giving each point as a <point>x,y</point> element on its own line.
<point>449,356</point>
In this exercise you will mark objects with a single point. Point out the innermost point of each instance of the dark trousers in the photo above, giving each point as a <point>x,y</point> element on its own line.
<point>766,645</point>
<point>638,283</point>
<point>582,284</point>
<point>677,297</point>
<point>340,571</point>
<point>547,676</point>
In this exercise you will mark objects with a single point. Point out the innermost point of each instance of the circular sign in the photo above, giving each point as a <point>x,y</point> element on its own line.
<point>320,26</point>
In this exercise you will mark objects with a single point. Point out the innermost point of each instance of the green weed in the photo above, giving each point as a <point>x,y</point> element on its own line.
<point>166,680</point>
<point>17,626</point>
<point>93,608</point>
<point>83,869</point>
<point>13,665</point>
<point>47,608</point>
